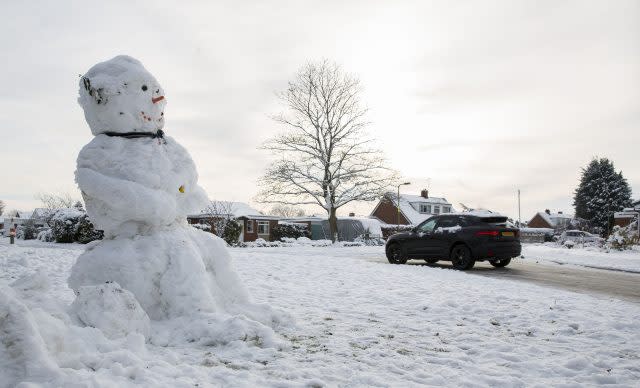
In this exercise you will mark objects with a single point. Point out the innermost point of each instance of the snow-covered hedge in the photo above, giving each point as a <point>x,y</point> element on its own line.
<point>27,231</point>
<point>388,230</point>
<point>297,242</point>
<point>73,225</point>
<point>45,235</point>
<point>290,230</point>
<point>623,238</point>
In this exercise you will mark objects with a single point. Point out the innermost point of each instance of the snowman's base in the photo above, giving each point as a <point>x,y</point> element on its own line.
<point>180,273</point>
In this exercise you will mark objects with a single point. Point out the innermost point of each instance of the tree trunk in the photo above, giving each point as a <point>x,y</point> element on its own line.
<point>333,225</point>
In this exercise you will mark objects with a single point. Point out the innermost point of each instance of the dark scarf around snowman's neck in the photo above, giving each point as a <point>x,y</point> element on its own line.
<point>136,135</point>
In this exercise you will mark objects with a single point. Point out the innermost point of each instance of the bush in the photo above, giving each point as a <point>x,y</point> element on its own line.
<point>27,231</point>
<point>623,238</point>
<point>232,232</point>
<point>85,231</point>
<point>290,230</point>
<point>45,235</point>
<point>388,230</point>
<point>73,225</point>
<point>63,225</point>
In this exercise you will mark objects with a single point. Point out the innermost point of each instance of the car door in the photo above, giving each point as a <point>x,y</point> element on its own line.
<point>445,232</point>
<point>421,243</point>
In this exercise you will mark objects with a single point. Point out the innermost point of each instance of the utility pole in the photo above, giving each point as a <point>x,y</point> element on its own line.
<point>519,219</point>
<point>398,215</point>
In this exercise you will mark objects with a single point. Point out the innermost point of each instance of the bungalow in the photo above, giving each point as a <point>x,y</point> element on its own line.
<point>254,224</point>
<point>413,208</point>
<point>546,219</point>
<point>628,215</point>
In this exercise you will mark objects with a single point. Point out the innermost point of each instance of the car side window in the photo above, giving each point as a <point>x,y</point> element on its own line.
<point>427,227</point>
<point>449,224</point>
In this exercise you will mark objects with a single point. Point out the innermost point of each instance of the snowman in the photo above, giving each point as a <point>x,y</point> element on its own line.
<point>139,184</point>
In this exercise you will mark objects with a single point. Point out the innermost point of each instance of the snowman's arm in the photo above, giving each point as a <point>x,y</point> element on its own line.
<point>133,200</point>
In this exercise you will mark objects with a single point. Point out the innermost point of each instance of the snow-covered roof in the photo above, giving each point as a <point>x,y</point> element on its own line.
<point>410,206</point>
<point>25,214</point>
<point>239,209</point>
<point>554,218</point>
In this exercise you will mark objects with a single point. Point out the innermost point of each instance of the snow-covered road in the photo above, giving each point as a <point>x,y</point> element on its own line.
<point>363,323</point>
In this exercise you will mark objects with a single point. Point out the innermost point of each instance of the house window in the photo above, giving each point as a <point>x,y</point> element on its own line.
<point>249,226</point>
<point>436,210</point>
<point>425,208</point>
<point>446,209</point>
<point>263,227</point>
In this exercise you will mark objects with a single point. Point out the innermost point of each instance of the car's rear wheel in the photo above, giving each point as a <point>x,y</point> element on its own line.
<point>431,261</point>
<point>394,254</point>
<point>500,263</point>
<point>461,258</point>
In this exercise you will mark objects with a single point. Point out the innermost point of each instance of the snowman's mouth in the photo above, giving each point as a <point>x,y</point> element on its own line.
<point>157,99</point>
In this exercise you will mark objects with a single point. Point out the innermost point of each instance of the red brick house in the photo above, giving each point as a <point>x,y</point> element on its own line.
<point>627,216</point>
<point>413,208</point>
<point>254,224</point>
<point>548,220</point>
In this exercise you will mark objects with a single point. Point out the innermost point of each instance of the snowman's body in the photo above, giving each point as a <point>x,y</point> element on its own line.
<point>139,190</point>
<point>132,186</point>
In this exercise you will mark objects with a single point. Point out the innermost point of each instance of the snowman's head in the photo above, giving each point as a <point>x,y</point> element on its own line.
<point>120,95</point>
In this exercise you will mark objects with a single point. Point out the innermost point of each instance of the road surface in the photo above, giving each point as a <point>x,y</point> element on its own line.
<point>617,284</point>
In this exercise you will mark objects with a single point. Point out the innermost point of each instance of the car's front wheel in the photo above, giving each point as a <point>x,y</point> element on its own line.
<point>461,257</point>
<point>394,254</point>
<point>500,263</point>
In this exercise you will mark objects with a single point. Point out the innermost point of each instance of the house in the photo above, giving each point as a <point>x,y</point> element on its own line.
<point>413,208</point>
<point>38,216</point>
<point>627,215</point>
<point>254,224</point>
<point>546,219</point>
<point>313,223</point>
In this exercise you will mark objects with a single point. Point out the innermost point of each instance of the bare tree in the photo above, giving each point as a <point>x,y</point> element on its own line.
<point>220,214</point>
<point>56,201</point>
<point>325,157</point>
<point>2,205</point>
<point>287,211</point>
<point>12,213</point>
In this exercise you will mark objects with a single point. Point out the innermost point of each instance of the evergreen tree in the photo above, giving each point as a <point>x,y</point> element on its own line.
<point>601,192</point>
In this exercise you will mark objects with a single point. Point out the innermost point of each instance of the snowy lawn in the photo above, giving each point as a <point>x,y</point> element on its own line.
<point>358,323</point>
<point>592,257</point>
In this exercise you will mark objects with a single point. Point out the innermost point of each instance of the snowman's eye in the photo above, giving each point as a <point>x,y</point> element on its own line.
<point>144,88</point>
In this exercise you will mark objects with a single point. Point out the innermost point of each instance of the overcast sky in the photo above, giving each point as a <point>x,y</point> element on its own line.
<point>473,98</point>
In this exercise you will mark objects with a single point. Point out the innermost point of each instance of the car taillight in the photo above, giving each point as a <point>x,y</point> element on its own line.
<point>492,233</point>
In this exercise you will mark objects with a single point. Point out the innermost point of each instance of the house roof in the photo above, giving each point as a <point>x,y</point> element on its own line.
<point>553,218</point>
<point>238,210</point>
<point>410,206</point>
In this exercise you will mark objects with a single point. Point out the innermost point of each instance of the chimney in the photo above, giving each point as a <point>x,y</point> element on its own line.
<point>352,214</point>
<point>424,193</point>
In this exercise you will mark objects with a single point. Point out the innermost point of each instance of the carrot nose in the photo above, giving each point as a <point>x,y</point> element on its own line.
<point>156,99</point>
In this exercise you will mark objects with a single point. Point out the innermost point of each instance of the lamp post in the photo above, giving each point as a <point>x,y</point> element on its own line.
<point>398,203</point>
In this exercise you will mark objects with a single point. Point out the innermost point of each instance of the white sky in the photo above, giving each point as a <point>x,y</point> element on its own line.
<point>473,98</point>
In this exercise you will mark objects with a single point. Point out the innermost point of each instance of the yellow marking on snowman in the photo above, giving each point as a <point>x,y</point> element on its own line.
<point>181,189</point>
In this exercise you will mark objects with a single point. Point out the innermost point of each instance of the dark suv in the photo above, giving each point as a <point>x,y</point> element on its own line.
<point>461,238</point>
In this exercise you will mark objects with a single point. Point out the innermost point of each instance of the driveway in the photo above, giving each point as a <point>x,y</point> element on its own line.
<point>616,284</point>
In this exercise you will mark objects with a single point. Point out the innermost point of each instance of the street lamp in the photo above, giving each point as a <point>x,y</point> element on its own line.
<point>398,203</point>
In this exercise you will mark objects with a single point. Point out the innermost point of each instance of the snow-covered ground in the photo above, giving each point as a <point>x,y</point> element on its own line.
<point>358,323</point>
<point>591,257</point>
